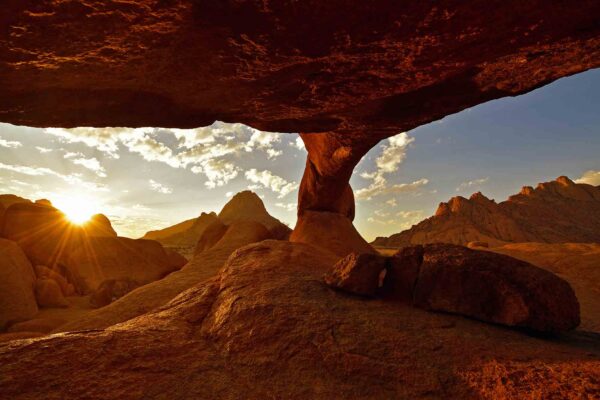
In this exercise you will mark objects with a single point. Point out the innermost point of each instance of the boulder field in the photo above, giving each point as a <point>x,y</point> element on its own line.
<point>267,326</point>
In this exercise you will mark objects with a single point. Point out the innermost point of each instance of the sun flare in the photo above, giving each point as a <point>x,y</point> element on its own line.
<point>77,208</point>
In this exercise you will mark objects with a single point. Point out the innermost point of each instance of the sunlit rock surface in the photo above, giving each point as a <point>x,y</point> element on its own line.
<point>267,327</point>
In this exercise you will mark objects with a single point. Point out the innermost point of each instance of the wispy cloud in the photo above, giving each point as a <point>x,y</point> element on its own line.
<point>287,206</point>
<point>72,179</point>
<point>474,182</point>
<point>267,179</point>
<point>43,150</point>
<point>298,144</point>
<point>590,177</point>
<point>401,220</point>
<point>91,163</point>
<point>10,144</point>
<point>380,188</point>
<point>159,187</point>
<point>393,154</point>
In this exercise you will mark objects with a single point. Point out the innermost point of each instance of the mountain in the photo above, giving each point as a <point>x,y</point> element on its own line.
<point>559,211</point>
<point>244,206</point>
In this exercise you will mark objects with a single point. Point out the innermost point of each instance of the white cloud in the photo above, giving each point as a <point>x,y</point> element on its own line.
<point>389,160</point>
<point>276,183</point>
<point>92,164</point>
<point>287,206</point>
<point>393,154</point>
<point>202,150</point>
<point>590,177</point>
<point>391,203</point>
<point>103,139</point>
<point>72,179</point>
<point>10,144</point>
<point>160,188</point>
<point>217,171</point>
<point>404,220</point>
<point>43,150</point>
<point>298,144</point>
<point>474,182</point>
<point>379,187</point>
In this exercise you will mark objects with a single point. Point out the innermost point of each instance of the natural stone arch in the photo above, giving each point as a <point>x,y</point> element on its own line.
<point>350,73</point>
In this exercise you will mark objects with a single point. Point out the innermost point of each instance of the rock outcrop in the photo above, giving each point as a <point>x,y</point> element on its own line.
<point>49,294</point>
<point>360,274</point>
<point>577,263</point>
<point>247,206</point>
<point>195,235</point>
<point>354,75</point>
<point>17,282</point>
<point>494,288</point>
<point>104,258</point>
<point>183,234</point>
<point>267,327</point>
<point>554,212</point>
<point>479,284</point>
<point>86,255</point>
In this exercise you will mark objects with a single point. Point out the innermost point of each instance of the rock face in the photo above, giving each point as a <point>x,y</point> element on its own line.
<point>184,234</point>
<point>49,294</point>
<point>374,69</point>
<point>353,74</point>
<point>111,290</point>
<point>106,258</point>
<point>494,288</point>
<point>247,206</point>
<point>479,284</point>
<point>553,212</point>
<point>201,233</point>
<point>267,328</point>
<point>17,280</point>
<point>358,273</point>
<point>331,231</point>
<point>577,263</point>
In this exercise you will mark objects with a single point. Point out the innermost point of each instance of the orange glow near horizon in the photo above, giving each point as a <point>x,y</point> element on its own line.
<point>77,208</point>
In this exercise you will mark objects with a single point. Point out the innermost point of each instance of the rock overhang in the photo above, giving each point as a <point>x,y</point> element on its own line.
<point>368,69</point>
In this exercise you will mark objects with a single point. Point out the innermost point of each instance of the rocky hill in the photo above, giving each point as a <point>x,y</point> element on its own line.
<point>559,211</point>
<point>244,206</point>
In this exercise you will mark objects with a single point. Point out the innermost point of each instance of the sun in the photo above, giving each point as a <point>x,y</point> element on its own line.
<point>77,208</point>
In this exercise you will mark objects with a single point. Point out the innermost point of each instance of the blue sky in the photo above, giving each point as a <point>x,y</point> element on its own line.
<point>150,178</point>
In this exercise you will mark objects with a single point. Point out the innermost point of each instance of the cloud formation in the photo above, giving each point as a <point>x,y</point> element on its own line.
<point>268,180</point>
<point>159,187</point>
<point>90,163</point>
<point>72,179</point>
<point>204,150</point>
<point>590,177</point>
<point>10,144</point>
<point>474,182</point>
<point>393,154</point>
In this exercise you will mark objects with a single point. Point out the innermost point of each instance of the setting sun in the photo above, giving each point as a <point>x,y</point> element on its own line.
<point>78,209</point>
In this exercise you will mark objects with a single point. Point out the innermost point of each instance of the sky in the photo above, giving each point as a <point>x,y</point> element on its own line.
<point>150,178</point>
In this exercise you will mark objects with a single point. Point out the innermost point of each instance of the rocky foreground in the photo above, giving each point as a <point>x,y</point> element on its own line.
<point>268,327</point>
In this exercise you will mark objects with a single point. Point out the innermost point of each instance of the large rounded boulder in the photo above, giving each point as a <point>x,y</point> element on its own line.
<point>17,281</point>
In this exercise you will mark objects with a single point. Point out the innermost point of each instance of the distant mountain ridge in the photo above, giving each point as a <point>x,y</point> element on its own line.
<point>559,211</point>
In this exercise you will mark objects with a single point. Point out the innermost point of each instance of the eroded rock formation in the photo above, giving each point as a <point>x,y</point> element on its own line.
<point>361,72</point>
<point>560,211</point>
